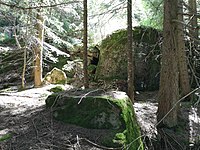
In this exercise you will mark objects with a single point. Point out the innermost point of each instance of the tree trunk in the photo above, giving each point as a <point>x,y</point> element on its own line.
<point>193,34</point>
<point>182,58</point>
<point>169,91</point>
<point>130,78</point>
<point>193,31</point>
<point>24,69</point>
<point>38,48</point>
<point>86,82</point>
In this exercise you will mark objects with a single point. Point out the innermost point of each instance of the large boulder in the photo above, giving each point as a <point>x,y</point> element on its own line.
<point>55,76</point>
<point>112,63</point>
<point>98,109</point>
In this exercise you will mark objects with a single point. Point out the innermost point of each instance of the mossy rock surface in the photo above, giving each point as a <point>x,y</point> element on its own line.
<point>57,89</point>
<point>5,137</point>
<point>98,109</point>
<point>112,63</point>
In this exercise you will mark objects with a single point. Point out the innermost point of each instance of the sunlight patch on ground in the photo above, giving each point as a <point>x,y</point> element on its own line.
<point>3,132</point>
<point>194,125</point>
<point>4,48</point>
<point>19,102</point>
<point>146,116</point>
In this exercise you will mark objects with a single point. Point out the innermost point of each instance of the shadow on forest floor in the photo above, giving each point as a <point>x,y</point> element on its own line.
<point>185,136</point>
<point>30,126</point>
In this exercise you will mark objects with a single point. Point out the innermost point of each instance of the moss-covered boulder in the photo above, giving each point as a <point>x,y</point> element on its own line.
<point>97,109</point>
<point>113,57</point>
<point>55,76</point>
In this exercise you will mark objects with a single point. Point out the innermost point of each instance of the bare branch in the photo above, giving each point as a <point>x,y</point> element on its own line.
<point>36,7</point>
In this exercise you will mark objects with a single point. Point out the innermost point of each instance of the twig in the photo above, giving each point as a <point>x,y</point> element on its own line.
<point>55,101</point>
<point>175,140</point>
<point>193,73</point>
<point>84,96</point>
<point>77,139</point>
<point>36,131</point>
<point>128,146</point>
<point>36,7</point>
<point>176,105</point>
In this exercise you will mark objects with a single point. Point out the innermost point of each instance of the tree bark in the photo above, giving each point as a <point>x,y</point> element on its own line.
<point>85,43</point>
<point>169,78</point>
<point>130,78</point>
<point>182,58</point>
<point>38,48</point>
<point>193,31</point>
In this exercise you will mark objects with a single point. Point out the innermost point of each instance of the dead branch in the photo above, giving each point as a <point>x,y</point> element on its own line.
<point>175,105</point>
<point>85,95</point>
<point>37,7</point>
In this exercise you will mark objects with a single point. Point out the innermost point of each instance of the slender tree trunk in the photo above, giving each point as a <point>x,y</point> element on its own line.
<point>38,48</point>
<point>169,91</point>
<point>25,58</point>
<point>15,35</point>
<point>193,34</point>
<point>182,58</point>
<point>85,43</point>
<point>19,47</point>
<point>24,69</point>
<point>193,31</point>
<point>130,79</point>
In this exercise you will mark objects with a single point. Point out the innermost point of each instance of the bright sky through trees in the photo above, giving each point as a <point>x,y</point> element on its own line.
<point>114,20</point>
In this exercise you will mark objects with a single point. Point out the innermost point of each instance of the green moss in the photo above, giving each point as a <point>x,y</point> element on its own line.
<point>83,114</point>
<point>70,80</point>
<point>57,89</point>
<point>120,138</point>
<point>51,100</point>
<point>61,82</point>
<point>109,140</point>
<point>91,68</point>
<point>113,59</point>
<point>132,132</point>
<point>5,137</point>
<point>91,109</point>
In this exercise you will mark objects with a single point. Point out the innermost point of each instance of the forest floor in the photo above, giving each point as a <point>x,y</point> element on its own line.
<point>25,123</point>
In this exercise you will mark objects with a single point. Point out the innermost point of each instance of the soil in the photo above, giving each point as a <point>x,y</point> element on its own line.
<point>31,126</point>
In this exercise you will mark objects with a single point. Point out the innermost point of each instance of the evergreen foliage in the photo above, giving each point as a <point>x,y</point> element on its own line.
<point>62,23</point>
<point>154,12</point>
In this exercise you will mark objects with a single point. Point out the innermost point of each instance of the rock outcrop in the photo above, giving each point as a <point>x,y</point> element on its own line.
<point>112,63</point>
<point>98,109</point>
